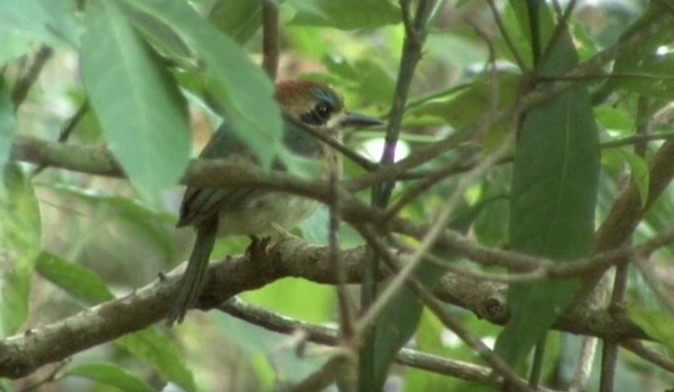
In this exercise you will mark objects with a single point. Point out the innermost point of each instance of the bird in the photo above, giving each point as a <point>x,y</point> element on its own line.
<point>216,212</point>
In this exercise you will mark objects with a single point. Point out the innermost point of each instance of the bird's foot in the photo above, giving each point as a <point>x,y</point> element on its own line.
<point>287,235</point>
<point>258,247</point>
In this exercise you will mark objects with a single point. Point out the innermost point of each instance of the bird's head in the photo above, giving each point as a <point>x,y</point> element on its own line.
<point>317,105</point>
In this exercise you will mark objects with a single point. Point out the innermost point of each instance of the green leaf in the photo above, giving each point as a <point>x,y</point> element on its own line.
<point>491,226</point>
<point>614,119</point>
<point>629,62</point>
<point>464,107</point>
<point>37,21</point>
<point>240,19</point>
<point>110,374</point>
<point>399,320</point>
<point>345,14</point>
<point>553,199</point>
<point>14,45</point>
<point>20,245</point>
<point>653,77</point>
<point>657,324</point>
<point>80,282</point>
<point>141,111</point>
<point>7,125</point>
<point>238,86</point>
<point>138,225</point>
<point>161,353</point>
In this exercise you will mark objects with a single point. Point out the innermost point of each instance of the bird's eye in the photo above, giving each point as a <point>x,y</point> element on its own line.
<point>322,110</point>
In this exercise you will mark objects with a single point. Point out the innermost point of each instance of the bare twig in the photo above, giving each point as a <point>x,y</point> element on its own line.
<point>506,36</point>
<point>328,336</point>
<point>270,37</point>
<point>321,378</point>
<point>20,91</point>
<point>345,366</point>
<point>637,347</point>
<point>67,129</point>
<point>560,28</point>
<point>650,277</point>
<point>50,377</point>
<point>588,348</point>
<point>336,145</point>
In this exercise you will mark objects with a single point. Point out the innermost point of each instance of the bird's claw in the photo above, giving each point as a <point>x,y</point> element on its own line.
<point>287,235</point>
<point>258,247</point>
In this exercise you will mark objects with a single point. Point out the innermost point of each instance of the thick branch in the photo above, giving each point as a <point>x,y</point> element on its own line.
<point>353,210</point>
<point>22,354</point>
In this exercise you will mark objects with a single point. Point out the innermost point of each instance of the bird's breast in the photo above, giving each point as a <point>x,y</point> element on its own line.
<point>260,214</point>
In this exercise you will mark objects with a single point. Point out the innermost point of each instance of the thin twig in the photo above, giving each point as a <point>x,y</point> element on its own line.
<point>328,336</point>
<point>637,347</point>
<point>347,152</point>
<point>581,376</point>
<point>506,36</point>
<point>50,377</point>
<point>346,330</point>
<point>67,130</point>
<point>560,28</point>
<point>610,349</point>
<point>650,277</point>
<point>270,38</point>
<point>321,378</point>
<point>20,91</point>
<point>428,182</point>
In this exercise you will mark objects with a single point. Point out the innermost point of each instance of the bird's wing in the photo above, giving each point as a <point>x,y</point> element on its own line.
<point>201,203</point>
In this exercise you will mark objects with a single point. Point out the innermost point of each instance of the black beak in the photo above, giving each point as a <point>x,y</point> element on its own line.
<point>356,120</point>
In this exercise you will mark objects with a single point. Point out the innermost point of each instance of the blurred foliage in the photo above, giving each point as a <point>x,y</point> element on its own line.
<point>154,71</point>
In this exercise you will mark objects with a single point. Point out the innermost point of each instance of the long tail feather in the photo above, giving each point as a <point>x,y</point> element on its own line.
<point>193,279</point>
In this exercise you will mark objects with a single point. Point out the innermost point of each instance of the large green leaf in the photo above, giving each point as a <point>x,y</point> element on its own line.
<point>23,22</point>
<point>552,203</point>
<point>240,88</point>
<point>7,124</point>
<point>19,247</point>
<point>399,320</point>
<point>141,111</point>
<point>128,221</point>
<point>465,107</point>
<point>110,374</point>
<point>239,19</point>
<point>82,283</point>
<point>345,14</point>
<point>161,353</point>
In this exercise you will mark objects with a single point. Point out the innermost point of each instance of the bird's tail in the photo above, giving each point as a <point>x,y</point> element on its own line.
<point>193,279</point>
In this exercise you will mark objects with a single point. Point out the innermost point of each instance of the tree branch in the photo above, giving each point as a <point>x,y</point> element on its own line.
<point>22,354</point>
<point>328,336</point>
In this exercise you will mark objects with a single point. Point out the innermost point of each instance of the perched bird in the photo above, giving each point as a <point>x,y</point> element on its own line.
<point>221,211</point>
